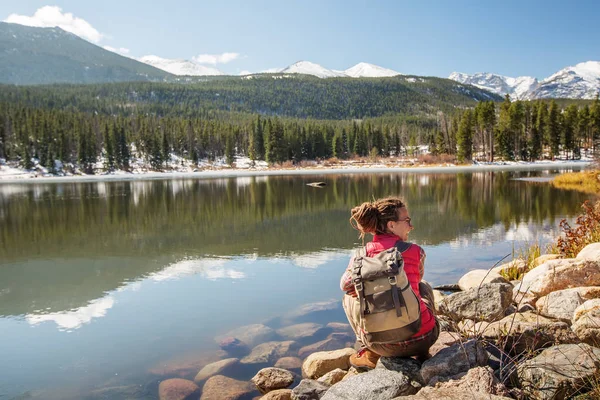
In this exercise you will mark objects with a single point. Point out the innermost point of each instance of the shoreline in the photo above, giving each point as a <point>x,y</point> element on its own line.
<point>246,172</point>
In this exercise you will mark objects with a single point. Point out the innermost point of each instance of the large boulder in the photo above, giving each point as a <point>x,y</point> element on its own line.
<point>560,274</point>
<point>560,371</point>
<point>216,368</point>
<point>479,382</point>
<point>269,352</point>
<point>249,334</point>
<point>523,332</point>
<point>309,389</point>
<point>318,364</point>
<point>478,277</point>
<point>407,366</point>
<point>562,303</point>
<point>177,389</point>
<point>377,384</point>
<point>451,393</point>
<point>268,379</point>
<point>333,377</point>
<point>220,387</point>
<point>487,302</point>
<point>279,394</point>
<point>586,307</point>
<point>590,252</point>
<point>454,360</point>
<point>587,325</point>
<point>445,339</point>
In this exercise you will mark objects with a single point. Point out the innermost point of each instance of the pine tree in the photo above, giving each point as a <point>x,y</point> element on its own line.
<point>229,151</point>
<point>595,123</point>
<point>569,129</point>
<point>553,129</point>
<point>464,137</point>
<point>109,148</point>
<point>504,136</point>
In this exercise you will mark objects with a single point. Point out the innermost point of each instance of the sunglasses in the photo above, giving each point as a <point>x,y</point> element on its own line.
<point>407,219</point>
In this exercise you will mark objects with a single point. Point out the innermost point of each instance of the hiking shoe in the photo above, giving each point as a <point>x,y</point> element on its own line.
<point>364,359</point>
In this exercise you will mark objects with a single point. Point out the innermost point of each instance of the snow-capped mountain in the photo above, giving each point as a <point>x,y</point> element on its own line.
<point>579,82</point>
<point>366,70</point>
<point>360,70</point>
<point>516,88</point>
<point>309,68</point>
<point>179,67</point>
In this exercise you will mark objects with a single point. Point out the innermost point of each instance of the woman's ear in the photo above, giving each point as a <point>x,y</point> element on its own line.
<point>390,226</point>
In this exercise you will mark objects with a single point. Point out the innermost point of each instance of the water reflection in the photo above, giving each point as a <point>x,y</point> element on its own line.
<point>73,319</point>
<point>211,269</point>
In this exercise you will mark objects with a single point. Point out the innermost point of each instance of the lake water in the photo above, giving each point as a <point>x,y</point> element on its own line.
<point>108,284</point>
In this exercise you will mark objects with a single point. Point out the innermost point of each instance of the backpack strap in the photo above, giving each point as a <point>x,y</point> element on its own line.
<point>402,246</point>
<point>357,279</point>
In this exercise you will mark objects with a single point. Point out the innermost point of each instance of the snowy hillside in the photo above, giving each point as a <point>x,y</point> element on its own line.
<point>309,68</point>
<point>579,82</point>
<point>179,67</point>
<point>366,70</point>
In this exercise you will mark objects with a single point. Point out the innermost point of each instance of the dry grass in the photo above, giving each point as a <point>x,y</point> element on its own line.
<point>527,253</point>
<point>430,159</point>
<point>586,231</point>
<point>584,181</point>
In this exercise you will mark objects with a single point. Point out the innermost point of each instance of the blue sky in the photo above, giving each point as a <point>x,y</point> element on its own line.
<point>512,38</point>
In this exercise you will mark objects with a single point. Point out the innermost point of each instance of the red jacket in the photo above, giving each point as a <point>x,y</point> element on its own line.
<point>414,261</point>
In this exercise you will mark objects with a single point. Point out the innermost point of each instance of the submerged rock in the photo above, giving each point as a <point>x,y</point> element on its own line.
<point>332,342</point>
<point>177,389</point>
<point>301,331</point>
<point>289,363</point>
<point>268,379</point>
<point>249,334</point>
<point>269,352</point>
<point>216,368</point>
<point>223,388</point>
<point>234,347</point>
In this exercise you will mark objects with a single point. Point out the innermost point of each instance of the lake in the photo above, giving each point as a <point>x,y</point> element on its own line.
<point>121,284</point>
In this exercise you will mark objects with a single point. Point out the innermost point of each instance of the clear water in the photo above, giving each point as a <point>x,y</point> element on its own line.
<point>109,284</point>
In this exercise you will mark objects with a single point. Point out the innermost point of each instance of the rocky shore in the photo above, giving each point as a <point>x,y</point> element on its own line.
<point>534,338</point>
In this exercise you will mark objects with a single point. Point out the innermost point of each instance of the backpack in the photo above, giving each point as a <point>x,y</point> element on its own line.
<point>389,310</point>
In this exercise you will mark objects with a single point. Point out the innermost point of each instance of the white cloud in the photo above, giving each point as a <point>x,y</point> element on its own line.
<point>215,58</point>
<point>209,268</point>
<point>121,50</point>
<point>51,16</point>
<point>73,319</point>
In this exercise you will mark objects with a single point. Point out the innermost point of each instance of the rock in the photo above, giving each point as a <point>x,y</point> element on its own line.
<point>215,368</point>
<point>450,393</point>
<point>309,389</point>
<point>458,358</point>
<point>183,365</point>
<point>590,252</point>
<point>268,379</point>
<point>333,377</point>
<point>129,392</point>
<point>269,352</point>
<point>313,311</point>
<point>453,287</point>
<point>351,372</point>
<point>220,387</point>
<point>466,327</point>
<point>332,342</point>
<point>249,334</point>
<point>478,277</point>
<point>518,264</point>
<point>587,325</point>
<point>584,308</point>
<point>438,297</point>
<point>318,364</point>
<point>407,366</point>
<point>562,303</point>
<point>234,347</point>
<point>300,331</point>
<point>543,258</point>
<point>525,308</point>
<point>280,394</point>
<point>177,389</point>
<point>340,327</point>
<point>445,339</point>
<point>488,302</point>
<point>560,274</point>
<point>559,371</point>
<point>480,380</point>
<point>523,332</point>
<point>289,363</point>
<point>377,384</point>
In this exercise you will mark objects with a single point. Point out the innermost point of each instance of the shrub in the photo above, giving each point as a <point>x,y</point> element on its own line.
<point>587,231</point>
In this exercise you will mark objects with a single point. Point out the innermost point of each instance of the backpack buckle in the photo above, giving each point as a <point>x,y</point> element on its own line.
<point>358,286</point>
<point>392,280</point>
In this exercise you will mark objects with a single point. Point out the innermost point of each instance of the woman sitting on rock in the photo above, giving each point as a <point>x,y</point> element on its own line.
<point>389,223</point>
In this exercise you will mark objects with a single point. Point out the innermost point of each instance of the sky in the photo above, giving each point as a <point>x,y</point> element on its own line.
<point>428,38</point>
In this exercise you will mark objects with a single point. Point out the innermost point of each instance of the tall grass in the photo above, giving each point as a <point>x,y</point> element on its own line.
<point>584,181</point>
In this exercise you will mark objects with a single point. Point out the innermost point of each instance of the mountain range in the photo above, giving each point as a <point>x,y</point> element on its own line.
<point>31,55</point>
<point>581,81</point>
